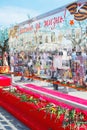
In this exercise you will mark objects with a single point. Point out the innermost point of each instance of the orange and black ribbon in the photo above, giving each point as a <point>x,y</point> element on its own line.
<point>79,17</point>
<point>79,14</point>
<point>72,8</point>
<point>83,9</point>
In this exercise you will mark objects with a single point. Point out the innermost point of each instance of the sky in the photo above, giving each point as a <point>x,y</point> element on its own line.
<point>17,11</point>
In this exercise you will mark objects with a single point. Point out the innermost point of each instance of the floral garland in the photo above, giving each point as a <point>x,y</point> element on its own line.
<point>72,118</point>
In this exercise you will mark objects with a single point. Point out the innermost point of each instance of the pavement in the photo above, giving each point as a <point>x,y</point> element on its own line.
<point>70,91</point>
<point>42,83</point>
<point>9,122</point>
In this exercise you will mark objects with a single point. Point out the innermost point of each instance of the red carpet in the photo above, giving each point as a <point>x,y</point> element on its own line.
<point>59,94</point>
<point>5,81</point>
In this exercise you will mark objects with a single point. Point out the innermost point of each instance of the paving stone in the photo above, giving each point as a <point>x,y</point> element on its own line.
<point>9,122</point>
<point>8,127</point>
<point>4,122</point>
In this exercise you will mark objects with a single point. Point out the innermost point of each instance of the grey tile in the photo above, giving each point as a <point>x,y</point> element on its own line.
<point>9,122</point>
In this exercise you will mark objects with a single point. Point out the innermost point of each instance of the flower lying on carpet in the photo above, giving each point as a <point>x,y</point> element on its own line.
<point>70,117</point>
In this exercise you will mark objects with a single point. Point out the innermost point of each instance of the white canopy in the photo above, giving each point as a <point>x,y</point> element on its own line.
<point>48,47</point>
<point>66,43</point>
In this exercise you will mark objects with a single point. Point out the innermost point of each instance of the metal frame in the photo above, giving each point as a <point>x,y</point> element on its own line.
<point>52,12</point>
